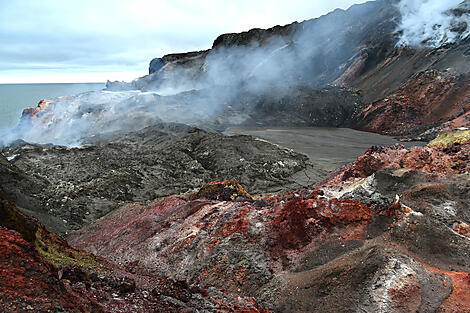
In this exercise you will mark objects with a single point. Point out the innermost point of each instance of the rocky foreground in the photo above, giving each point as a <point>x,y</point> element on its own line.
<point>133,214</point>
<point>40,272</point>
<point>389,232</point>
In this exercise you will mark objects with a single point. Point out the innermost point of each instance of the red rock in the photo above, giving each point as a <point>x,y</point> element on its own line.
<point>29,113</point>
<point>428,99</point>
<point>86,283</point>
<point>28,281</point>
<point>453,160</point>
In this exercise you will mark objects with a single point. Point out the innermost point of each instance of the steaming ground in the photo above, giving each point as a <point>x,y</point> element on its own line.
<point>433,23</point>
<point>259,72</point>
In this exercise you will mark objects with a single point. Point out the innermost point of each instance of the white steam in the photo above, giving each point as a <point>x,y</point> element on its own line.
<point>192,95</point>
<point>240,72</point>
<point>68,120</point>
<point>433,23</point>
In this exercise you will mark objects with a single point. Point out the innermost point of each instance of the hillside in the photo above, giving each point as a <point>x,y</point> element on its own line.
<point>144,204</point>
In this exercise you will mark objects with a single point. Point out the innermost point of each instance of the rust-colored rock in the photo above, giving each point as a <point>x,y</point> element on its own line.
<point>28,282</point>
<point>452,160</point>
<point>34,112</point>
<point>40,272</point>
<point>427,100</point>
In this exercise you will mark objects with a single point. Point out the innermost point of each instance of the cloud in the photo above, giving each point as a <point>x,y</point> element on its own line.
<point>123,36</point>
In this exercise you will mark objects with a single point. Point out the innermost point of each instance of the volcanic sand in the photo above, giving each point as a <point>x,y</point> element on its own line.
<point>328,148</point>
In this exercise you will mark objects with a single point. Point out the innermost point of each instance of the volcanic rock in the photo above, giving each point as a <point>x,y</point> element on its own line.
<point>427,100</point>
<point>392,242</point>
<point>156,64</point>
<point>225,191</point>
<point>388,232</point>
<point>40,272</point>
<point>67,188</point>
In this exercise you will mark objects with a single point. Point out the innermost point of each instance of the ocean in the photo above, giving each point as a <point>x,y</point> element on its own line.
<point>15,97</point>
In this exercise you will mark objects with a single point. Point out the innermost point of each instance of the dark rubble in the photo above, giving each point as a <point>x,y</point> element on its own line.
<point>392,240</point>
<point>67,188</point>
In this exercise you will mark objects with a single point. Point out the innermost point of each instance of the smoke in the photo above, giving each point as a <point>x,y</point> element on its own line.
<point>197,90</point>
<point>433,23</point>
<point>71,120</point>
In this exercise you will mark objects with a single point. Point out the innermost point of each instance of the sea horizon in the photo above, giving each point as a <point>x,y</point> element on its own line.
<point>15,97</point>
<point>52,83</point>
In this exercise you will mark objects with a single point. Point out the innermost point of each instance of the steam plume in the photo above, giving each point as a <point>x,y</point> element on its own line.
<point>312,53</point>
<point>433,23</point>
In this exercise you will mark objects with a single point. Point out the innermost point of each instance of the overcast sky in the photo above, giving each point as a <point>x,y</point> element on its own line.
<point>96,40</point>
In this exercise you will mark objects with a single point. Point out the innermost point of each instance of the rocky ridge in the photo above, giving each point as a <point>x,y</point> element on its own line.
<point>386,233</point>
<point>66,188</point>
<point>42,273</point>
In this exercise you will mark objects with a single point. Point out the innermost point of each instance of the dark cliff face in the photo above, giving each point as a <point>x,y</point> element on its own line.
<point>278,76</point>
<point>354,48</point>
<point>319,50</point>
<point>156,64</point>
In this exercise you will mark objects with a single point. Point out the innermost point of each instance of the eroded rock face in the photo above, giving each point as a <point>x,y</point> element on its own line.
<point>427,100</point>
<point>40,272</point>
<point>156,64</point>
<point>30,283</point>
<point>450,160</point>
<point>389,239</point>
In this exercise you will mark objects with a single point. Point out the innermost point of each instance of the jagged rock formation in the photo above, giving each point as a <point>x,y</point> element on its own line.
<point>352,244</point>
<point>42,273</point>
<point>67,188</point>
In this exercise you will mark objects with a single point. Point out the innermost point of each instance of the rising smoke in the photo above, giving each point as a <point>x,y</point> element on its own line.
<point>312,53</point>
<point>195,94</point>
<point>433,23</point>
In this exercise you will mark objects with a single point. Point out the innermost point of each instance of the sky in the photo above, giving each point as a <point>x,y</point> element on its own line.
<point>53,41</point>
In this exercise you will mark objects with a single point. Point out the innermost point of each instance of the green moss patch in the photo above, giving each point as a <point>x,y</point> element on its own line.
<point>444,140</point>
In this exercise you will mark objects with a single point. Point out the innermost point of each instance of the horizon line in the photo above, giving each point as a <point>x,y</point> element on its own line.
<point>49,83</point>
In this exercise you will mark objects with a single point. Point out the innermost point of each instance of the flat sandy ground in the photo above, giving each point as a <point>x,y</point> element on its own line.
<point>327,148</point>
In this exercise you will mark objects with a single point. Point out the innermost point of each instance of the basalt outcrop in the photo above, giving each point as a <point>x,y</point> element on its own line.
<point>67,188</point>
